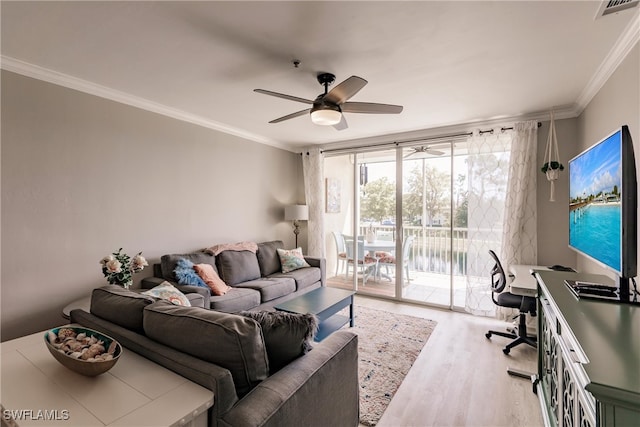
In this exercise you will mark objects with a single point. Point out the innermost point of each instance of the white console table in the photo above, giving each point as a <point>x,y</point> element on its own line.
<point>135,392</point>
<point>524,283</point>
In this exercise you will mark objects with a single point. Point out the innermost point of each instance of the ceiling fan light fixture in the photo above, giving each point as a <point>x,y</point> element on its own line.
<point>326,116</point>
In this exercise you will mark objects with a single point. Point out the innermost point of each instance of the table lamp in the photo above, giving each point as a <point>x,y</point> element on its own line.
<point>296,213</point>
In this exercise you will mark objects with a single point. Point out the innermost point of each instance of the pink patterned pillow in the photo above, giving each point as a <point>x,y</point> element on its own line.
<point>211,278</point>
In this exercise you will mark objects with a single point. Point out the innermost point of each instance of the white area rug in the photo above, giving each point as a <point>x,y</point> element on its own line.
<point>388,344</point>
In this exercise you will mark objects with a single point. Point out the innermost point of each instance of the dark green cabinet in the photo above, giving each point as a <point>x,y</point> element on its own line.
<point>588,357</point>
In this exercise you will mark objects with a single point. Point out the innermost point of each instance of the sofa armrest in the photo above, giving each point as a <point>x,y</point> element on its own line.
<point>321,263</point>
<point>150,282</point>
<point>196,300</point>
<point>318,389</point>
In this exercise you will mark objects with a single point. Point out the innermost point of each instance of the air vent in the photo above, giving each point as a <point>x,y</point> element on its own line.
<point>614,6</point>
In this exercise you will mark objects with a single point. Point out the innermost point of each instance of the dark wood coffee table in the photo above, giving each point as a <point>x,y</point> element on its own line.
<point>324,303</point>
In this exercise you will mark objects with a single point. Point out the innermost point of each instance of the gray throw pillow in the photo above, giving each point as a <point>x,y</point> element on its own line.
<point>287,336</point>
<point>237,266</point>
<point>230,341</point>
<point>268,257</point>
<point>120,306</point>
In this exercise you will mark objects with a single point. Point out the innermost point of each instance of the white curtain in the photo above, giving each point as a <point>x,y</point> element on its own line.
<point>519,234</point>
<point>312,166</point>
<point>519,230</point>
<point>488,166</point>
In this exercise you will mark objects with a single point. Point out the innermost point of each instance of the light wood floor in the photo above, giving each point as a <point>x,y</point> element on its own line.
<point>460,377</point>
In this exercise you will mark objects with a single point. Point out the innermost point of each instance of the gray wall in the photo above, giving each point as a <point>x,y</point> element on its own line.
<point>83,176</point>
<point>616,104</point>
<point>553,223</point>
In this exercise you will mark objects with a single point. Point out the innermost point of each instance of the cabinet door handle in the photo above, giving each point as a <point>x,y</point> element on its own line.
<point>573,356</point>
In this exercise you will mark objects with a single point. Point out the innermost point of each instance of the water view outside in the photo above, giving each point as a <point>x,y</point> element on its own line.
<point>597,233</point>
<point>595,187</point>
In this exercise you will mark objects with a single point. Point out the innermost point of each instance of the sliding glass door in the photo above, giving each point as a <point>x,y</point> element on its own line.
<point>434,223</point>
<point>360,220</point>
<point>420,257</point>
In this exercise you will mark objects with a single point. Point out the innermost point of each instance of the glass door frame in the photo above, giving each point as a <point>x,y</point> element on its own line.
<point>399,223</point>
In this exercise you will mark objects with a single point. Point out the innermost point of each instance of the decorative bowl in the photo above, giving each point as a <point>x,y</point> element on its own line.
<point>83,350</point>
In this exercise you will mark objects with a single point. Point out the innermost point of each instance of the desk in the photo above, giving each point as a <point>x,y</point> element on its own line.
<point>524,283</point>
<point>135,392</point>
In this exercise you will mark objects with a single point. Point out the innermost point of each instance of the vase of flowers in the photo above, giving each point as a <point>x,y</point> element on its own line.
<point>119,268</point>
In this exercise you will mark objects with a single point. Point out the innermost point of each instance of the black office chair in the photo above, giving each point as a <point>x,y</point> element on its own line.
<point>507,299</point>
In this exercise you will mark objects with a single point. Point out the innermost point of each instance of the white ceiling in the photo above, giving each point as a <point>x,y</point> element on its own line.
<point>447,63</point>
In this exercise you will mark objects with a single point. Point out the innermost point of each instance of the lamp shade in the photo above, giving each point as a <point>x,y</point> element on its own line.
<point>296,213</point>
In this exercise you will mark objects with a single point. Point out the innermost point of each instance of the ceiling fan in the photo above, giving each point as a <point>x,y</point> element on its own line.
<point>327,108</point>
<point>425,149</point>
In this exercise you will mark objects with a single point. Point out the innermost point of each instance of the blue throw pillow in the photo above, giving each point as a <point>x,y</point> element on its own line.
<point>186,275</point>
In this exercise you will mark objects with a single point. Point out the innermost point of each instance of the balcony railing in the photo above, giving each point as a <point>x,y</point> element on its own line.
<point>435,249</point>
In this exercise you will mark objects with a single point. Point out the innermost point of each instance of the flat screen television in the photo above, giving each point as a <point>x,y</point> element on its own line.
<point>603,206</point>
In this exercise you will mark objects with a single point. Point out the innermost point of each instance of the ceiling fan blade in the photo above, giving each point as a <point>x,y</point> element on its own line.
<point>433,152</point>
<point>291,116</point>
<point>345,90</point>
<point>342,124</point>
<point>409,155</point>
<point>284,96</point>
<point>370,108</point>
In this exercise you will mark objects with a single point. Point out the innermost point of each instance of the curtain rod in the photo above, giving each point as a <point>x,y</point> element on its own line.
<point>407,141</point>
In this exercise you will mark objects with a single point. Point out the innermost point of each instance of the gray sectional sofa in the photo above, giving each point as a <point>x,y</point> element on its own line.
<point>256,279</point>
<point>229,355</point>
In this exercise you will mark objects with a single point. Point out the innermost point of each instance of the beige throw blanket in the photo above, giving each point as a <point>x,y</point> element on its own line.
<point>240,246</point>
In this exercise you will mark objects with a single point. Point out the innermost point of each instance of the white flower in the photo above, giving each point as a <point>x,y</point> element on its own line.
<point>114,266</point>
<point>106,259</point>
<point>139,262</point>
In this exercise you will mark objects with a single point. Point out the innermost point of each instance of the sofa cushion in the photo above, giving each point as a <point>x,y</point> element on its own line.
<point>211,278</point>
<point>287,336</point>
<point>168,292</point>
<point>168,263</point>
<point>270,288</point>
<point>237,266</point>
<point>292,259</point>
<point>237,299</point>
<point>186,275</point>
<point>268,257</point>
<point>233,342</point>
<point>304,277</point>
<point>120,306</point>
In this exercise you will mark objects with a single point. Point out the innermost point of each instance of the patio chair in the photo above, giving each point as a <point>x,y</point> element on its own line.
<point>386,259</point>
<point>341,250</point>
<point>367,264</point>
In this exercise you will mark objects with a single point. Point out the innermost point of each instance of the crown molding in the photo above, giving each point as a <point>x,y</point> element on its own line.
<point>40,73</point>
<point>627,40</point>
<point>559,112</point>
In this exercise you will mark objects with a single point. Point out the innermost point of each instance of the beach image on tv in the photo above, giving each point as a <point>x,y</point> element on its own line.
<point>595,189</point>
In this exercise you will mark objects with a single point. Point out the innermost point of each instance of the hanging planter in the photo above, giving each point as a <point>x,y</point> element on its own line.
<point>552,166</point>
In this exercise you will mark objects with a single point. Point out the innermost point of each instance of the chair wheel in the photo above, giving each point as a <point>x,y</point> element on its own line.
<point>506,350</point>
<point>488,335</point>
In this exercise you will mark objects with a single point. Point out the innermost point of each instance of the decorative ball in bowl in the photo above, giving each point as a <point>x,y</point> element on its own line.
<point>83,350</point>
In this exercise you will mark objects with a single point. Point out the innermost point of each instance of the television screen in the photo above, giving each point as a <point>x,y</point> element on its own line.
<point>595,189</point>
